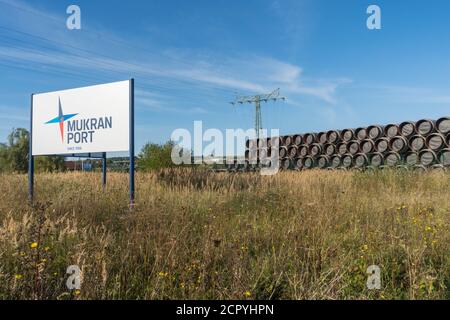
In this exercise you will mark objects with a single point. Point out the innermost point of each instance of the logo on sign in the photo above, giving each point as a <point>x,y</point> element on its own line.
<point>61,118</point>
<point>79,131</point>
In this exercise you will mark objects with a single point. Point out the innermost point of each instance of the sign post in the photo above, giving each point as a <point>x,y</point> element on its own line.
<point>30,157</point>
<point>131,143</point>
<point>89,120</point>
<point>104,170</point>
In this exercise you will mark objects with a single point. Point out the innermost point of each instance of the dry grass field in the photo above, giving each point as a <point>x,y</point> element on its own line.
<point>200,235</point>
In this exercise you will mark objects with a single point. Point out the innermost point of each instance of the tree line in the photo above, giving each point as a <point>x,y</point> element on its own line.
<point>14,155</point>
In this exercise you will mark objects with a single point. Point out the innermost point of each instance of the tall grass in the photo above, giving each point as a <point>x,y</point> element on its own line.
<point>200,235</point>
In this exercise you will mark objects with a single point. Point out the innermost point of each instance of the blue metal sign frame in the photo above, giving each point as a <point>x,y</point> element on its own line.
<point>88,155</point>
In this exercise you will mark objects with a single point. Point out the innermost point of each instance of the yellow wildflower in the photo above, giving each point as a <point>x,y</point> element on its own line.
<point>18,276</point>
<point>163,274</point>
<point>247,293</point>
<point>77,292</point>
<point>34,245</point>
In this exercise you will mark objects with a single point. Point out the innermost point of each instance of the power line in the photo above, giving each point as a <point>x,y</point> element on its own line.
<point>101,35</point>
<point>109,57</point>
<point>162,87</point>
<point>164,84</point>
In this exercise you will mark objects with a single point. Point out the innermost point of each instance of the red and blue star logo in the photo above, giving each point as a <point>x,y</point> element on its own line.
<point>61,118</point>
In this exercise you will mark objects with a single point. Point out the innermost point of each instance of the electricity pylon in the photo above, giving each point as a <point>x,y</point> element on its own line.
<point>257,99</point>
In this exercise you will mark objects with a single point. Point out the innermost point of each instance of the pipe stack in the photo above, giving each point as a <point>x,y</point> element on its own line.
<point>420,145</point>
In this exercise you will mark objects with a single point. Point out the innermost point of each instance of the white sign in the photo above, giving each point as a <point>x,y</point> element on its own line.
<point>82,120</point>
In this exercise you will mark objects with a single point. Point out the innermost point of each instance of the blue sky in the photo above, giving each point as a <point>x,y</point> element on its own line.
<point>190,58</point>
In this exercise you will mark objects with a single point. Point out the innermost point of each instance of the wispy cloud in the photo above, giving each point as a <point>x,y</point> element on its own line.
<point>269,72</point>
<point>417,94</point>
<point>13,113</point>
<point>158,103</point>
<point>402,94</point>
<point>325,91</point>
<point>171,73</point>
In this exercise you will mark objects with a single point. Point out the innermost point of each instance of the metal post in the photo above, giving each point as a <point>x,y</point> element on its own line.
<point>104,170</point>
<point>30,157</point>
<point>258,120</point>
<point>131,143</point>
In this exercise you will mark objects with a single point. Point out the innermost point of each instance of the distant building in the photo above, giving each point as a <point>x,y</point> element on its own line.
<point>82,165</point>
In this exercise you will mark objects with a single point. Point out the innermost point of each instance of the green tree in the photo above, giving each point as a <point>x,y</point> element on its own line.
<point>14,155</point>
<point>3,157</point>
<point>155,156</point>
<point>49,164</point>
<point>17,150</point>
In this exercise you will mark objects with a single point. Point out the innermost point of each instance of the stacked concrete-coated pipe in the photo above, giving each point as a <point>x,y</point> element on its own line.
<point>420,145</point>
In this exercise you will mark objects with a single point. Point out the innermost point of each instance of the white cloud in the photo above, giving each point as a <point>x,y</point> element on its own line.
<point>325,91</point>
<point>185,73</point>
